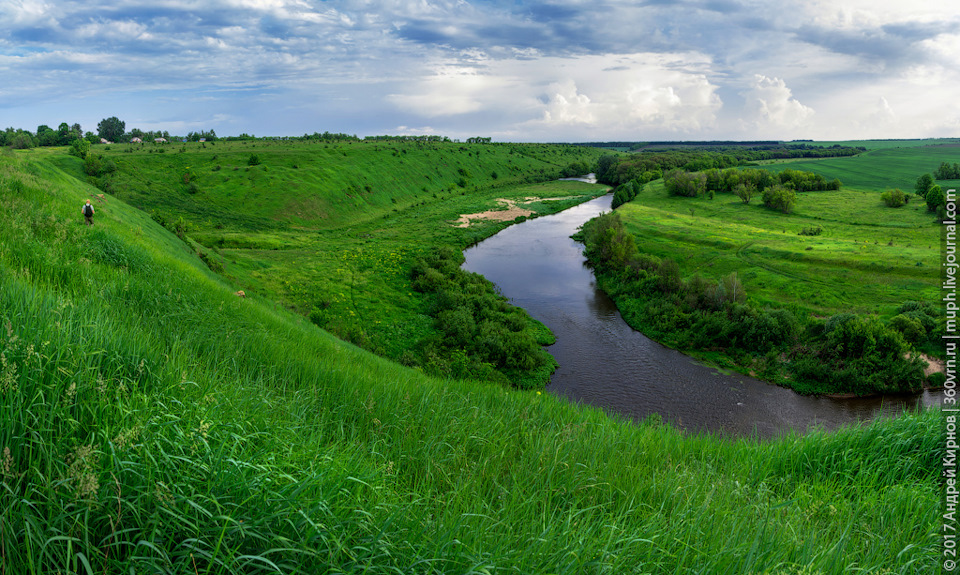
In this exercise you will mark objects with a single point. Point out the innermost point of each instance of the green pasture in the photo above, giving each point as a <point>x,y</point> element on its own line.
<point>868,259</point>
<point>154,422</point>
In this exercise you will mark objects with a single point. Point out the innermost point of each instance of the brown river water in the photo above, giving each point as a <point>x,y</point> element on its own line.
<point>607,364</point>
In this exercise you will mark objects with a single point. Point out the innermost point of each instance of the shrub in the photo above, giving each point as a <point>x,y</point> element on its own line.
<point>780,197</point>
<point>911,328</point>
<point>923,185</point>
<point>811,231</point>
<point>894,198</point>
<point>936,380</point>
<point>254,160</point>
<point>669,276</point>
<point>80,148</point>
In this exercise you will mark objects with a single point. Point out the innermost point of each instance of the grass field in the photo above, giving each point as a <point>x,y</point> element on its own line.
<point>332,230</point>
<point>868,259</point>
<point>156,423</point>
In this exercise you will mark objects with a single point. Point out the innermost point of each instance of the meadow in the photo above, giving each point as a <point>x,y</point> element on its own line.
<point>763,291</point>
<point>868,259</point>
<point>156,422</point>
<point>333,230</point>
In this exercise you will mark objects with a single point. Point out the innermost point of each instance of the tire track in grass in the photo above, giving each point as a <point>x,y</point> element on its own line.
<point>741,255</point>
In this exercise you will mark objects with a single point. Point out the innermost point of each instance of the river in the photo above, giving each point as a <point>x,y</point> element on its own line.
<point>605,363</point>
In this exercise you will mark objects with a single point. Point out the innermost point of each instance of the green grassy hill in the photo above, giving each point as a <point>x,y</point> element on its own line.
<point>154,422</point>
<point>334,230</point>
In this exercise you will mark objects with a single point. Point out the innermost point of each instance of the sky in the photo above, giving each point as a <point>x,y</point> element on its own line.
<point>512,70</point>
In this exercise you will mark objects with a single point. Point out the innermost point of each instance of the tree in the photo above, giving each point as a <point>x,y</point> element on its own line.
<point>21,140</point>
<point>67,135</point>
<point>111,129</point>
<point>681,183</point>
<point>745,192</point>
<point>80,148</point>
<point>924,183</point>
<point>604,164</point>
<point>935,198</point>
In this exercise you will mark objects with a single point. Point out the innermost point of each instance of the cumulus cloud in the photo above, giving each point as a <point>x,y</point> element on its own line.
<point>519,68</point>
<point>450,90</point>
<point>566,105</point>
<point>772,107</point>
<point>642,94</point>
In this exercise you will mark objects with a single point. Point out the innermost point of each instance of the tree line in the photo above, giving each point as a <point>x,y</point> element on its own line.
<point>613,169</point>
<point>947,171</point>
<point>111,129</point>
<point>777,190</point>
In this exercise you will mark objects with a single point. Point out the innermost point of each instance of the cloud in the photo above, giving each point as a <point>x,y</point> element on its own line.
<point>565,105</point>
<point>449,91</point>
<point>585,69</point>
<point>772,107</point>
<point>641,95</point>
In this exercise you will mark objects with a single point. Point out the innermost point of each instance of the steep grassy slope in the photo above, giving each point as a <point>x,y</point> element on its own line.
<point>154,422</point>
<point>333,231</point>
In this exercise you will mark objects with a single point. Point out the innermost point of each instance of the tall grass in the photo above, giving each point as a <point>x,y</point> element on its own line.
<point>153,422</point>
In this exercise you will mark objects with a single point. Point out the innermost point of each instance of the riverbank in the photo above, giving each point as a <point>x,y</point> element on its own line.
<point>812,300</point>
<point>605,363</point>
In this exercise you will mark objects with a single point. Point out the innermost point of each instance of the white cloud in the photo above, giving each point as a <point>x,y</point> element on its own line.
<point>861,14</point>
<point>566,105</point>
<point>27,12</point>
<point>640,94</point>
<point>772,109</point>
<point>883,114</point>
<point>450,90</point>
<point>944,47</point>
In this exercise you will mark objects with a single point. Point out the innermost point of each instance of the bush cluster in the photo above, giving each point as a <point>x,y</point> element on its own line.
<point>779,197</point>
<point>615,170</point>
<point>480,335</point>
<point>576,168</point>
<point>846,353</point>
<point>894,198</point>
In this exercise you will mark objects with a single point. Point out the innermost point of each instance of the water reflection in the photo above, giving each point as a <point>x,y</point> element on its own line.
<point>605,363</point>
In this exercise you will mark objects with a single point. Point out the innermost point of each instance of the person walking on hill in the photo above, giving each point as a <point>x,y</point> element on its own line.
<point>88,212</point>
